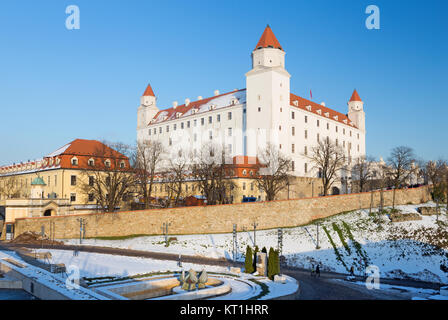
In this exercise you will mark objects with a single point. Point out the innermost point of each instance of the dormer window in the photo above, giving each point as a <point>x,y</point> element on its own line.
<point>296,103</point>
<point>244,172</point>
<point>74,161</point>
<point>327,114</point>
<point>336,118</point>
<point>212,107</point>
<point>107,163</point>
<point>194,111</point>
<point>122,165</point>
<point>91,162</point>
<point>178,114</point>
<point>345,121</point>
<point>308,108</point>
<point>319,112</point>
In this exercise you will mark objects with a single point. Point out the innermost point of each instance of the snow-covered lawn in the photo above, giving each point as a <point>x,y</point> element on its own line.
<point>414,249</point>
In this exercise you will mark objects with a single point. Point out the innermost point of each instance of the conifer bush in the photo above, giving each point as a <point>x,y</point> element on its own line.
<point>248,263</point>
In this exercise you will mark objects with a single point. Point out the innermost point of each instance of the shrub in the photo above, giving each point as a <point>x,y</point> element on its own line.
<point>248,263</point>
<point>255,257</point>
<point>264,250</point>
<point>273,263</point>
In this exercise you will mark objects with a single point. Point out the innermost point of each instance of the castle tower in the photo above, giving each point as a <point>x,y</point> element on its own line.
<point>356,111</point>
<point>267,95</point>
<point>146,111</point>
<point>37,188</point>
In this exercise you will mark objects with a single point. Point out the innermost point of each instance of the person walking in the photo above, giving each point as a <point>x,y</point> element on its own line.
<point>312,270</point>
<point>318,271</point>
<point>352,271</point>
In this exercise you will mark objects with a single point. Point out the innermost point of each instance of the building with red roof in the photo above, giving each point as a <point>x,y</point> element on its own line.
<point>243,121</point>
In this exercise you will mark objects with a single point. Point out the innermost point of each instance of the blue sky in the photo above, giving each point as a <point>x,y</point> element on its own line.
<point>57,85</point>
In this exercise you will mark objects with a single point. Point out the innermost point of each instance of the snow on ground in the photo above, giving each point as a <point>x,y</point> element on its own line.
<point>409,249</point>
<point>96,265</point>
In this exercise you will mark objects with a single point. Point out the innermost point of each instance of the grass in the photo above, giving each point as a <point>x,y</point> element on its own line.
<point>341,237</point>
<point>356,244</point>
<point>336,251</point>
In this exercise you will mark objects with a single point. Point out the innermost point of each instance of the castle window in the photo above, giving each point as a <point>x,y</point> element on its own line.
<point>210,119</point>
<point>175,126</point>
<point>195,122</point>
<point>91,197</point>
<point>167,128</point>
<point>170,142</point>
<point>230,132</point>
<point>293,131</point>
<point>292,115</point>
<point>218,118</point>
<point>74,161</point>
<point>292,165</point>
<point>328,126</point>
<point>229,116</point>
<point>306,167</point>
<point>188,124</point>
<point>91,162</point>
<point>202,121</point>
<point>149,132</point>
<point>91,180</point>
<point>306,134</point>
<point>336,128</point>
<point>244,185</point>
<point>73,180</point>
<point>259,109</point>
<point>280,109</point>
<point>305,150</point>
<point>155,130</point>
<point>160,129</point>
<point>358,135</point>
<point>306,119</point>
<point>343,131</point>
<point>280,128</point>
<point>292,148</point>
<point>317,122</point>
<point>122,164</point>
<point>210,135</point>
<point>107,163</point>
<point>72,197</point>
<point>317,137</point>
<point>350,133</point>
<point>259,97</point>
<point>244,172</point>
<point>181,125</point>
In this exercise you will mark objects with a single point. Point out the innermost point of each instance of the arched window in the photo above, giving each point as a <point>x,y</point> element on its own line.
<point>107,163</point>
<point>74,161</point>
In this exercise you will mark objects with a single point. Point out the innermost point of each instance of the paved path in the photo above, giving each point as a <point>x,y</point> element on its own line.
<point>324,288</point>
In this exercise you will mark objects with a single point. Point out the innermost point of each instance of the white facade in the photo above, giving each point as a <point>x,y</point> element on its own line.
<point>265,111</point>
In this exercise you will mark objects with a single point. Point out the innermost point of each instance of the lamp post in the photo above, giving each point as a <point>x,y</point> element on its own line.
<point>255,228</point>
<point>317,231</point>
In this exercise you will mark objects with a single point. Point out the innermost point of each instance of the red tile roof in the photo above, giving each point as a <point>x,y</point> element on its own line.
<point>148,91</point>
<point>302,103</point>
<point>268,40</point>
<point>355,96</point>
<point>194,104</point>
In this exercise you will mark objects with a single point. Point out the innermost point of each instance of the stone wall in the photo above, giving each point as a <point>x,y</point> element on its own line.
<point>216,219</point>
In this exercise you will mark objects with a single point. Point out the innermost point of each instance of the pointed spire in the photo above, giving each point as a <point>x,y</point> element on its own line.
<point>355,96</point>
<point>268,40</point>
<point>148,91</point>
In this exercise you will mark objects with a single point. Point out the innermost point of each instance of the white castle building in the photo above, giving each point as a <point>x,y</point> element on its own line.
<point>265,111</point>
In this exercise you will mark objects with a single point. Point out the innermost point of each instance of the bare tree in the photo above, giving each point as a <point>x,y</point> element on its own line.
<point>434,173</point>
<point>211,173</point>
<point>362,171</point>
<point>108,179</point>
<point>400,167</point>
<point>274,171</point>
<point>328,158</point>
<point>146,160</point>
<point>174,179</point>
<point>10,188</point>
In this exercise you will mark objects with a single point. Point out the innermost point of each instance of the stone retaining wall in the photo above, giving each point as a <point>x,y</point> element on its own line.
<point>216,219</point>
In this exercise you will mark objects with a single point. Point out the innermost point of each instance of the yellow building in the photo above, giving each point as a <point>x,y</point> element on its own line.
<point>54,184</point>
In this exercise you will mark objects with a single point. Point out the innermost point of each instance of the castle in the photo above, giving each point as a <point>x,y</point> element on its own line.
<point>244,121</point>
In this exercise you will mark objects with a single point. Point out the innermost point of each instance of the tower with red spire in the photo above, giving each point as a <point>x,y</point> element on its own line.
<point>356,111</point>
<point>267,95</point>
<point>146,111</point>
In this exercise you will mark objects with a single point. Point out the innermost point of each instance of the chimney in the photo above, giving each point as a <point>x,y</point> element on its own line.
<point>187,102</point>
<point>216,92</point>
<point>322,104</point>
<point>174,104</point>
<point>199,97</point>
